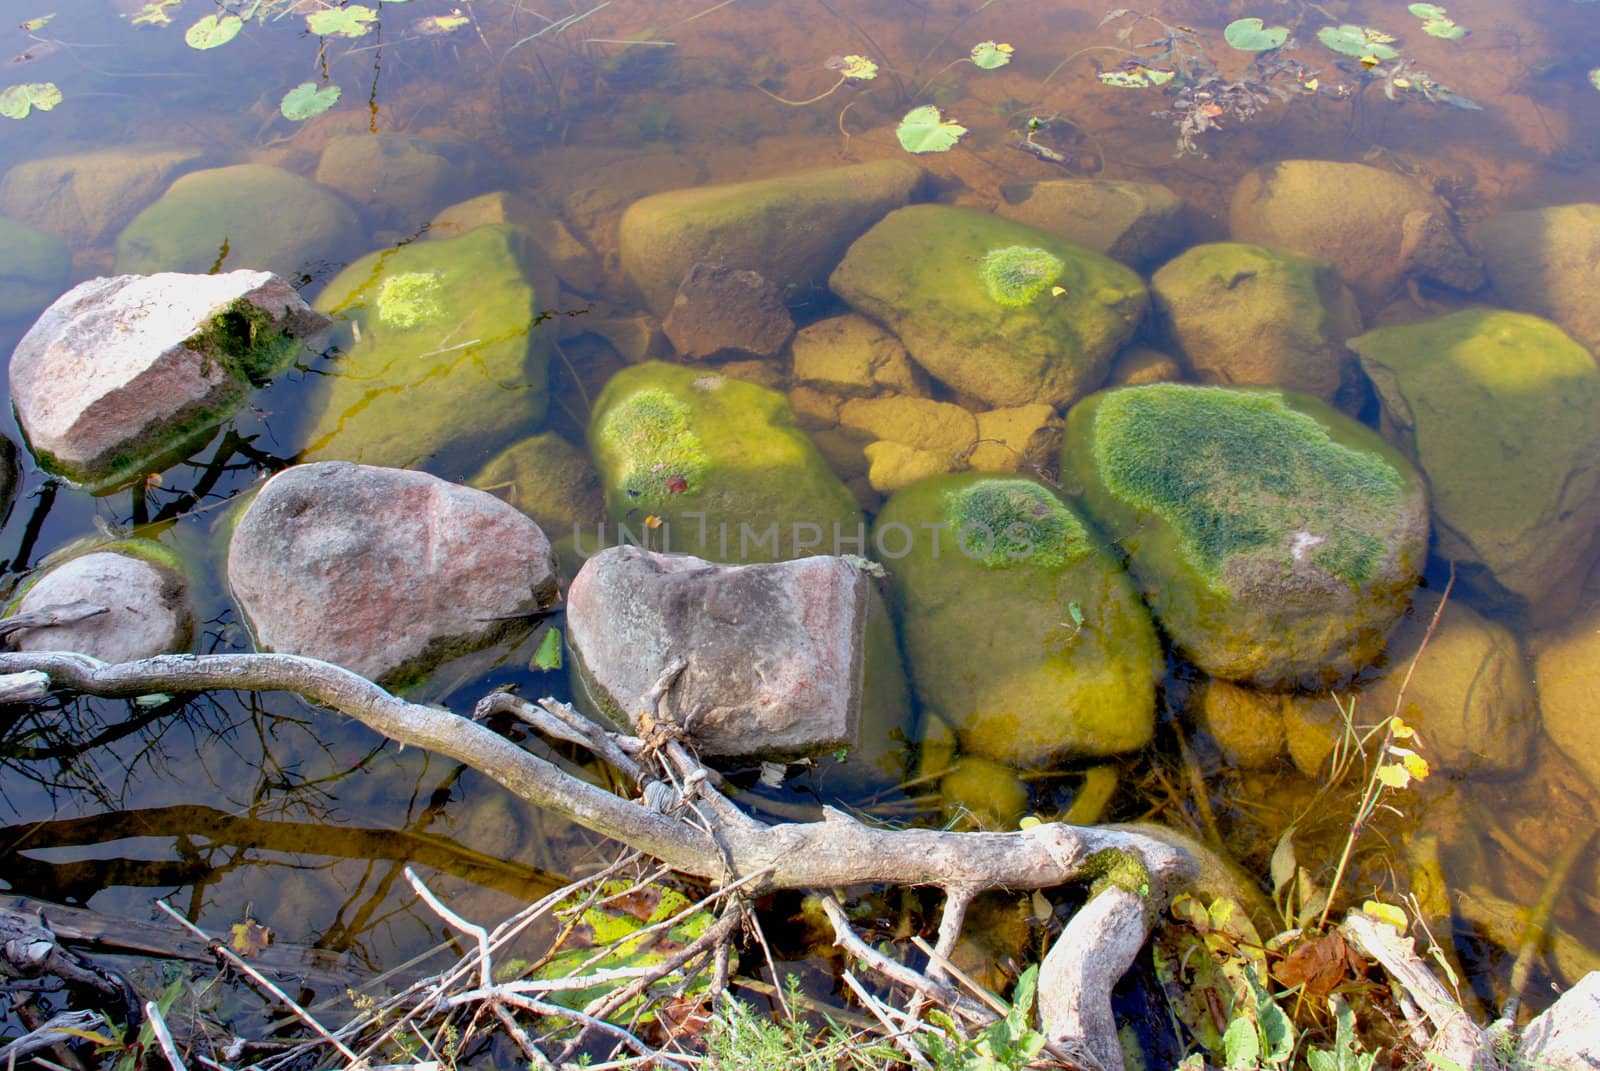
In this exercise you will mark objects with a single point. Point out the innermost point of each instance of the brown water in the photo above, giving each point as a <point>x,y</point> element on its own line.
<point>235,805</point>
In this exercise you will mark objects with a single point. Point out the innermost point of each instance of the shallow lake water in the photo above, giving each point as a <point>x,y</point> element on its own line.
<point>261,806</point>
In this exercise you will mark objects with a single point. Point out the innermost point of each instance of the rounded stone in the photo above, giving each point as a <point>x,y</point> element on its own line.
<point>146,598</point>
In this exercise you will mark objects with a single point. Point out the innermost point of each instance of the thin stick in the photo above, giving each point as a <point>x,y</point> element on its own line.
<point>845,937</point>
<point>875,1006</point>
<point>158,1026</point>
<point>479,934</point>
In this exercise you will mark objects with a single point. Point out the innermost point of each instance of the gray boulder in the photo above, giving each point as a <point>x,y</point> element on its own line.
<point>792,229</point>
<point>122,371</point>
<point>383,571</point>
<point>34,269</point>
<point>85,198</point>
<point>249,215</point>
<point>143,588</point>
<point>774,651</point>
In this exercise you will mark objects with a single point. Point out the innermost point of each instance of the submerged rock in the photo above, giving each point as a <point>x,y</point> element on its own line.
<point>448,357</point>
<point>85,198</point>
<point>1136,223</point>
<point>384,572</point>
<point>853,357</point>
<point>1502,411</point>
<point>727,313</point>
<point>1243,315</point>
<point>774,651</point>
<point>792,229</point>
<point>556,484</point>
<point>721,464</point>
<point>1276,540</point>
<point>1374,226</point>
<point>141,584</point>
<point>1547,261</point>
<point>994,309</point>
<point>399,181</point>
<point>248,215</point>
<point>34,269</point>
<point>122,371</point>
<point>1246,725</point>
<point>1567,669</point>
<point>1019,631</point>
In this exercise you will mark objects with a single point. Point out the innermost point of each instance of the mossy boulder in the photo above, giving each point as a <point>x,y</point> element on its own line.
<point>245,216</point>
<point>85,198</point>
<point>792,229</point>
<point>722,465</point>
<point>1546,261</point>
<point>34,269</point>
<point>1245,315</point>
<point>556,484</point>
<point>1502,411</point>
<point>1276,540</point>
<point>447,354</point>
<point>993,308</point>
<point>1019,630</point>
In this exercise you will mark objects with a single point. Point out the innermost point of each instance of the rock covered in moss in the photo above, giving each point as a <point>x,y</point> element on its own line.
<point>447,353</point>
<point>1374,226</point>
<point>792,229</point>
<point>1244,315</point>
<point>144,588</point>
<point>549,479</point>
<point>120,372</point>
<point>1019,631</point>
<point>721,464</point>
<point>1546,261</point>
<point>34,269</point>
<point>995,309</point>
<point>1136,223</point>
<point>382,571</point>
<point>248,215</point>
<point>84,198</point>
<point>774,651</point>
<point>1502,411</point>
<point>1276,540</point>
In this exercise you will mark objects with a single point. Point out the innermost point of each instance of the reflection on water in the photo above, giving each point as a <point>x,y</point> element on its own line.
<point>230,805</point>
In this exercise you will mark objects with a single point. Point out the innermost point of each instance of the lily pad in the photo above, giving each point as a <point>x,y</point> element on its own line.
<point>306,100</point>
<point>1358,41</point>
<point>16,101</point>
<point>855,68</point>
<point>989,55</point>
<point>1444,28</point>
<point>352,21</point>
<point>213,31</point>
<point>925,130</point>
<point>1594,77</point>
<point>155,13</point>
<point>1251,35</point>
<point>1136,76</point>
<point>1427,11</point>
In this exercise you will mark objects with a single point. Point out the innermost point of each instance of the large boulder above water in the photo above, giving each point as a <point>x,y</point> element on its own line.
<point>121,372</point>
<point>1276,540</point>
<point>1376,227</point>
<point>448,353</point>
<point>1502,411</point>
<point>721,463</point>
<point>1547,261</point>
<point>773,650</point>
<point>85,198</point>
<point>995,309</point>
<point>384,572</point>
<point>1245,315</point>
<point>1019,631</point>
<point>34,269</point>
<point>141,584</point>
<point>791,229</point>
<point>1137,223</point>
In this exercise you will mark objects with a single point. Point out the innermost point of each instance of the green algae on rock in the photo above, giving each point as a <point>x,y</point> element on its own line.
<point>448,354</point>
<point>1276,540</point>
<point>1502,411</point>
<point>926,273</point>
<point>1019,631</point>
<point>721,464</point>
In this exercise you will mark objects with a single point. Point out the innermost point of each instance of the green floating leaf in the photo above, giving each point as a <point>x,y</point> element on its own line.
<point>1137,76</point>
<point>1444,28</point>
<point>548,655</point>
<point>352,21</point>
<point>1251,35</point>
<point>306,100</point>
<point>1358,41</point>
<point>989,55</point>
<point>16,101</point>
<point>155,13</point>
<point>213,31</point>
<point>1594,77</point>
<point>1427,11</point>
<point>925,130</point>
<point>855,68</point>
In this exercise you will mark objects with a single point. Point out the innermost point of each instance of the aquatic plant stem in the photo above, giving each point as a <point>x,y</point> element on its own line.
<point>1083,52</point>
<point>1534,936</point>
<point>809,100</point>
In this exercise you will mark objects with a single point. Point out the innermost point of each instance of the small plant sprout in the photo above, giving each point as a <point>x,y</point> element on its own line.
<point>1251,35</point>
<point>924,129</point>
<point>850,68</point>
<point>1435,23</point>
<point>16,101</point>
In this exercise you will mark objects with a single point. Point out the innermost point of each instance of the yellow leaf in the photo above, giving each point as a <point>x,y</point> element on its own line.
<point>1029,821</point>
<point>1058,291</point>
<point>1416,765</point>
<point>1399,729</point>
<point>1386,913</point>
<point>652,521</point>
<point>1311,84</point>
<point>38,23</point>
<point>249,937</point>
<point>1394,775</point>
